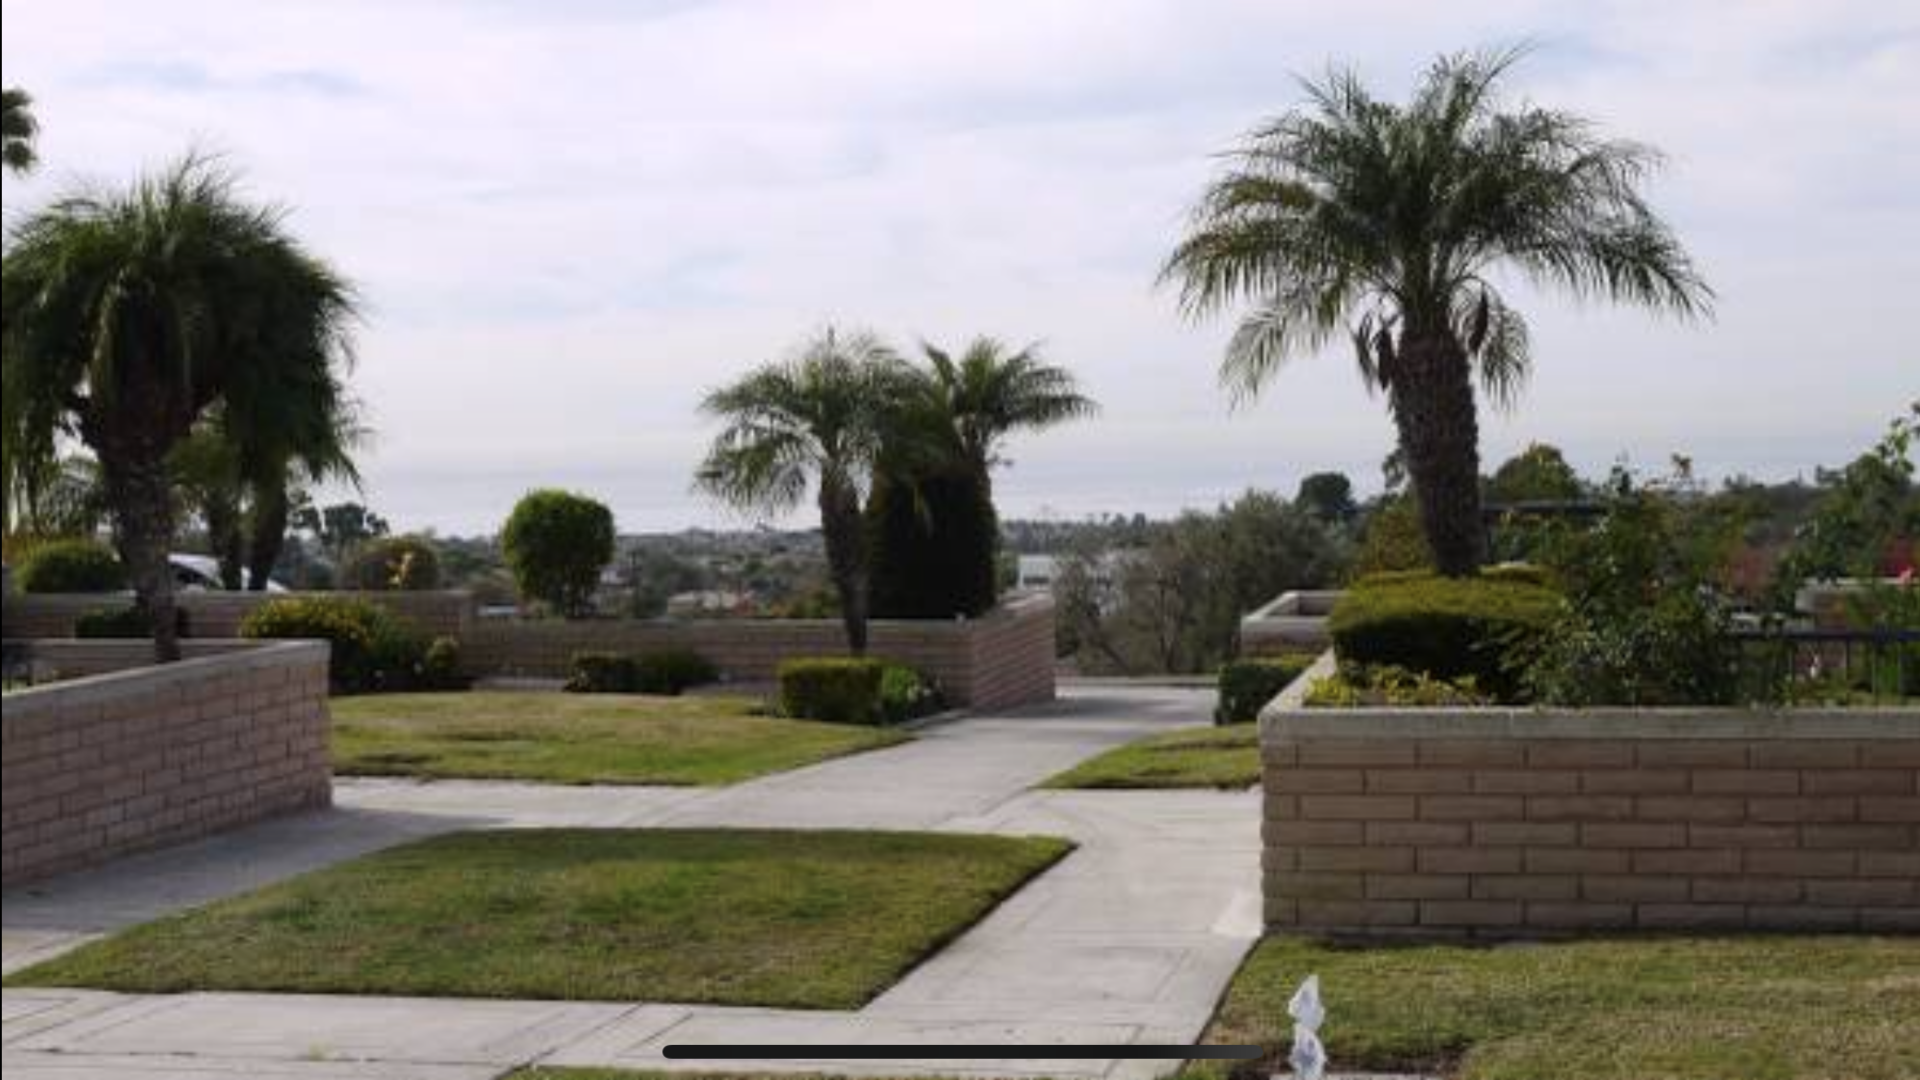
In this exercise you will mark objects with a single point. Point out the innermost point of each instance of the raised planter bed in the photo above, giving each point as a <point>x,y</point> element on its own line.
<point>1512,822</point>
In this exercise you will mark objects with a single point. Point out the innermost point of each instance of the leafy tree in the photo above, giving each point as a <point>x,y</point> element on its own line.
<point>394,564</point>
<point>53,495</point>
<point>1328,496</point>
<point>556,543</point>
<point>1384,222</point>
<point>128,315</point>
<point>338,528</point>
<point>1539,473</point>
<point>817,421</point>
<point>1174,604</point>
<point>1867,506</point>
<point>18,129</point>
<point>934,530</point>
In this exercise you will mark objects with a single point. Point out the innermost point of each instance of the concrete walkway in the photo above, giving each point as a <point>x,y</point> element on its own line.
<point>1130,939</point>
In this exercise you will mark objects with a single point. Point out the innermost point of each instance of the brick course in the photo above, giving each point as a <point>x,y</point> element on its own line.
<point>1495,823</point>
<point>102,766</point>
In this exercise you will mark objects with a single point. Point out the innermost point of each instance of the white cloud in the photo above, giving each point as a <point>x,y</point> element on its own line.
<point>569,219</point>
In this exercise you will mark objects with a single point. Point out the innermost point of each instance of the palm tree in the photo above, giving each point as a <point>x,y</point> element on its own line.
<point>18,129</point>
<point>239,477</point>
<point>815,421</point>
<point>127,315</point>
<point>933,527</point>
<point>1385,221</point>
<point>988,394</point>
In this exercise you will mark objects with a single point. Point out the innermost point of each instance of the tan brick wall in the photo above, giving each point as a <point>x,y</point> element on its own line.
<point>1486,823</point>
<point>103,766</point>
<point>1002,659</point>
<point>74,658</point>
<point>218,614</point>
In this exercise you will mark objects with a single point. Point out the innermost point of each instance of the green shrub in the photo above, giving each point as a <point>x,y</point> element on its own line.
<point>372,650</point>
<point>602,673</point>
<point>673,671</point>
<point>1357,686</point>
<point>843,690</point>
<point>1247,685</point>
<point>397,563</point>
<point>1447,628</point>
<point>71,566</point>
<point>440,666</point>
<point>1644,623</point>
<point>668,672</point>
<point>556,543</point>
<point>131,621</point>
<point>905,695</point>
<point>1394,540</point>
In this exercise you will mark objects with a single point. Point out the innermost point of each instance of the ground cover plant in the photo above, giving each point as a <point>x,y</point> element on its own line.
<point>821,920</point>
<point>1662,1008</point>
<point>581,738</point>
<point>1215,757</point>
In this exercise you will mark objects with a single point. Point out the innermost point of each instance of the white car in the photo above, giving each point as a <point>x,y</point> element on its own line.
<point>201,573</point>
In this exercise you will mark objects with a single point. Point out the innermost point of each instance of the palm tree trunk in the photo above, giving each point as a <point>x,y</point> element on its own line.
<point>269,533</point>
<point>845,533</point>
<point>224,536</point>
<point>142,498</point>
<point>1431,391</point>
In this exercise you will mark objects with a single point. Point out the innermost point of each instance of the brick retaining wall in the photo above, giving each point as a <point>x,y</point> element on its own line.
<point>1493,823</point>
<point>102,766</point>
<point>1002,659</point>
<point>218,614</point>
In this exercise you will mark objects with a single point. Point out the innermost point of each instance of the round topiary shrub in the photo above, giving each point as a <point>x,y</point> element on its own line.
<point>1444,627</point>
<point>398,563</point>
<point>71,566</point>
<point>556,543</point>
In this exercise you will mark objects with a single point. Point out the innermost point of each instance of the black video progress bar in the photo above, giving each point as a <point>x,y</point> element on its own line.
<point>957,1051</point>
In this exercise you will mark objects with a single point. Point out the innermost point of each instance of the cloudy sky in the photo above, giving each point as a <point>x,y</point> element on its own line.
<point>570,217</point>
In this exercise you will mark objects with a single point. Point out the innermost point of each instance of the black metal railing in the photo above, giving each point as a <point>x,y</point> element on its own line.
<point>1809,666</point>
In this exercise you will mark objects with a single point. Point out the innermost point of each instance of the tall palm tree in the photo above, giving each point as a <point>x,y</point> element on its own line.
<point>238,474</point>
<point>127,315</point>
<point>18,129</point>
<point>933,526</point>
<point>1385,221</point>
<point>815,421</point>
<point>990,393</point>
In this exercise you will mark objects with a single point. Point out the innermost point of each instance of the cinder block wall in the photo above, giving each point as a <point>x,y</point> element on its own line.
<point>102,766</point>
<point>218,614</point>
<point>1002,659</point>
<point>1490,823</point>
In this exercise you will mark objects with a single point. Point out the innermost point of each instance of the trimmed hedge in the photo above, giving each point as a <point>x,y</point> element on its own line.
<point>844,690</point>
<point>1247,685</point>
<point>372,649</point>
<point>1447,628</point>
<point>71,566</point>
<point>668,673</point>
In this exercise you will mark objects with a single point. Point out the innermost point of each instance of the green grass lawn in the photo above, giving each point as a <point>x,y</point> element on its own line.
<point>1752,1008</point>
<point>1210,757</point>
<point>580,738</point>
<point>791,919</point>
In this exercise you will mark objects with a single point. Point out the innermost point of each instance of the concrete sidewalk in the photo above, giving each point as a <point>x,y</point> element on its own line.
<point>1130,939</point>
